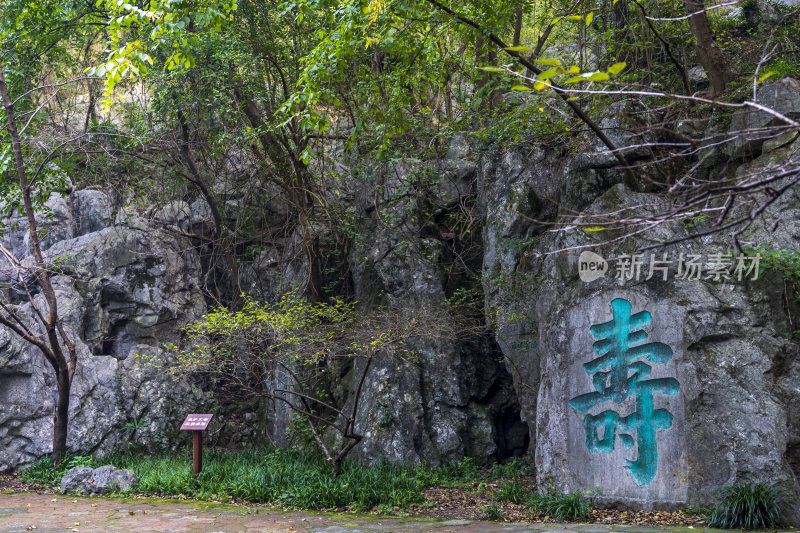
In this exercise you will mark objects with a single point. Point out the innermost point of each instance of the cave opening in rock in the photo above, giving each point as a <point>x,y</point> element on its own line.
<point>511,433</point>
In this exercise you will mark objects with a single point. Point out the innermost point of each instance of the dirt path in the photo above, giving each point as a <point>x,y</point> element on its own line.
<point>48,513</point>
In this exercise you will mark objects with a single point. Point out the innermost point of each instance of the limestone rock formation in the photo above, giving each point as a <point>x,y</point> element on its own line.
<point>124,291</point>
<point>716,401</point>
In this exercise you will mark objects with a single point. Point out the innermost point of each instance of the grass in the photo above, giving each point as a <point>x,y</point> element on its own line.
<point>746,506</point>
<point>283,477</point>
<point>572,506</point>
<point>44,473</point>
<point>286,477</point>
<point>513,492</point>
<point>493,512</point>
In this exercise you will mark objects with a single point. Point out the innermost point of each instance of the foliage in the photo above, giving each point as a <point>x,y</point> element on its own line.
<point>493,512</point>
<point>513,492</point>
<point>783,260</point>
<point>746,506</point>
<point>298,354</point>
<point>44,472</point>
<point>572,506</point>
<point>286,477</point>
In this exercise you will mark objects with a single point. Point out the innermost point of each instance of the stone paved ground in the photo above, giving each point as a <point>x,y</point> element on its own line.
<point>48,513</point>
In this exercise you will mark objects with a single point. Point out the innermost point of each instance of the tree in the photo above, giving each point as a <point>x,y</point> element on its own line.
<point>55,344</point>
<point>712,59</point>
<point>37,58</point>
<point>294,353</point>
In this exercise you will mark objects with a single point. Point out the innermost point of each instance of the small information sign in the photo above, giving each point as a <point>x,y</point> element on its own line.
<point>196,422</point>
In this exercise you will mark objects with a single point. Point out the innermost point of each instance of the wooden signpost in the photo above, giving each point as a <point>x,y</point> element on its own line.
<point>196,424</point>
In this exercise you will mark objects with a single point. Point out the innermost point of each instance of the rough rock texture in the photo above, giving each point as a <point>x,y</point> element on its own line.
<point>457,400</point>
<point>714,402</point>
<point>100,480</point>
<point>123,291</point>
<point>732,382</point>
<point>738,376</point>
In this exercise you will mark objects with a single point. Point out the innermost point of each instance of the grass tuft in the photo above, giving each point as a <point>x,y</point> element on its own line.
<point>493,512</point>
<point>286,477</point>
<point>513,492</point>
<point>572,506</point>
<point>44,472</point>
<point>746,506</point>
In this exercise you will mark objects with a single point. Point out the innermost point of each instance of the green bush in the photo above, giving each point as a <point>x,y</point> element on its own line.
<point>746,506</point>
<point>572,506</point>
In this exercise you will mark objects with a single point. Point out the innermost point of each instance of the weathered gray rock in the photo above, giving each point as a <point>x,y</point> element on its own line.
<point>456,400</point>
<point>76,479</point>
<point>736,377</point>
<point>459,146</point>
<point>92,211</point>
<point>102,480</point>
<point>123,291</point>
<point>697,76</point>
<point>733,412</point>
<point>752,127</point>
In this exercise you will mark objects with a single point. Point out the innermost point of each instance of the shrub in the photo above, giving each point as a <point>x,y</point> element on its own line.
<point>746,506</point>
<point>570,506</point>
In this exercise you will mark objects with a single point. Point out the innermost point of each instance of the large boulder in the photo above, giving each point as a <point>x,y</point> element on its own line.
<point>711,403</point>
<point>456,399</point>
<point>123,292</point>
<point>708,380</point>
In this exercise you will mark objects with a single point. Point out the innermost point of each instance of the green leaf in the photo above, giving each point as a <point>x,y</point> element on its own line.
<point>518,49</point>
<point>549,62</point>
<point>556,21</point>
<point>492,69</point>
<point>589,18</point>
<point>574,17</point>
<point>765,76</point>
<point>616,68</point>
<point>598,76</point>
<point>521,88</point>
<point>549,73</point>
<point>539,86</point>
<point>589,76</point>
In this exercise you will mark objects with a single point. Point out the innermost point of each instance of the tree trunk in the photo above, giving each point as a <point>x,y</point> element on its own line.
<point>517,24</point>
<point>50,320</point>
<point>711,57</point>
<point>61,418</point>
<point>298,190</point>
